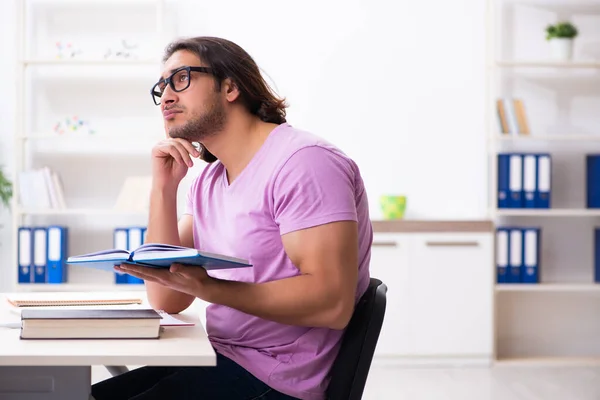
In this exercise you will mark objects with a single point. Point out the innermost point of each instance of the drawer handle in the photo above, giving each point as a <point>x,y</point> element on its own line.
<point>452,244</point>
<point>385,244</point>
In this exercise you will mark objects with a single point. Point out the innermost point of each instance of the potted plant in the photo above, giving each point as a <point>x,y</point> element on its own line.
<point>5,190</point>
<point>560,36</point>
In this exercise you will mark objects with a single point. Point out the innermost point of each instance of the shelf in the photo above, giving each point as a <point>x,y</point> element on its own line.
<point>80,211</point>
<point>557,138</point>
<point>548,64</point>
<point>124,137</point>
<point>547,212</point>
<point>547,361</point>
<point>95,63</point>
<point>570,7</point>
<point>78,287</point>
<point>548,287</point>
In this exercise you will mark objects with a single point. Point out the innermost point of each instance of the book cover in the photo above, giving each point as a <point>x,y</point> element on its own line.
<point>157,256</point>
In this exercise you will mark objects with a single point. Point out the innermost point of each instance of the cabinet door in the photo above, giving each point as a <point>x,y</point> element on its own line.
<point>389,263</point>
<point>451,293</point>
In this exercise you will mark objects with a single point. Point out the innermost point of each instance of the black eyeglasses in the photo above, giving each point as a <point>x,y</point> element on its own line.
<point>178,81</point>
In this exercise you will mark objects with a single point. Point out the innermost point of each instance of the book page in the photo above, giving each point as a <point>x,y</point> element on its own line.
<point>26,299</point>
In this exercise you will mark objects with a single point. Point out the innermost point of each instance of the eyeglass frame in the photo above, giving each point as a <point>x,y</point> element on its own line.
<point>169,80</point>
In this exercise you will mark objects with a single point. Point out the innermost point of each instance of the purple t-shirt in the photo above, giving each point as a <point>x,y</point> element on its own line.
<point>295,181</point>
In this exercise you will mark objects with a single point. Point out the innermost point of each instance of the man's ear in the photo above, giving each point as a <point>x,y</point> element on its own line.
<point>231,89</point>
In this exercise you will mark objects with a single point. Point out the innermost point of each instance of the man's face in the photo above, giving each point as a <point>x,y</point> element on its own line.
<point>196,112</point>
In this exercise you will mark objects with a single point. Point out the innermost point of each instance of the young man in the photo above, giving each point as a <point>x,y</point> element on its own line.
<point>290,203</point>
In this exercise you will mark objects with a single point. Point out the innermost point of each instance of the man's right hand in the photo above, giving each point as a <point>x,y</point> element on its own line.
<point>171,159</point>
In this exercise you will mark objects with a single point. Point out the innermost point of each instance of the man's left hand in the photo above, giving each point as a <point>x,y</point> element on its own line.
<point>192,280</point>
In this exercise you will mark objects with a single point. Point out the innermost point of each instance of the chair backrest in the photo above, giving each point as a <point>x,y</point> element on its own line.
<point>351,367</point>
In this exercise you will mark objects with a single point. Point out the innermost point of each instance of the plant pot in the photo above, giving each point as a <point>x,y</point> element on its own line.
<point>561,49</point>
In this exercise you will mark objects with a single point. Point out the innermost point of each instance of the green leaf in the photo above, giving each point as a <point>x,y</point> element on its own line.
<point>561,29</point>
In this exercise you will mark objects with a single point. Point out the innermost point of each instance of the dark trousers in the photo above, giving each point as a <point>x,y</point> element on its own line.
<point>226,381</point>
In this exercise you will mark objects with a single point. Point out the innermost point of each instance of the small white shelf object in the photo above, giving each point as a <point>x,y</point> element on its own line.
<point>533,322</point>
<point>84,111</point>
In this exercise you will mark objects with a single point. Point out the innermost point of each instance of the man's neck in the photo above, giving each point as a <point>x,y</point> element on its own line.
<point>237,144</point>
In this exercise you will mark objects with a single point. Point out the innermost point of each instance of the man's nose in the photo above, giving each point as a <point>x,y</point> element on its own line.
<point>169,96</point>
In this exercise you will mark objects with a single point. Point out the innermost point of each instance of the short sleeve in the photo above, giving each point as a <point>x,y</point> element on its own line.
<point>314,187</point>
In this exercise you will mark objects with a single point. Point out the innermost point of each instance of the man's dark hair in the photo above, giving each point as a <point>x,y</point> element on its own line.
<point>228,60</point>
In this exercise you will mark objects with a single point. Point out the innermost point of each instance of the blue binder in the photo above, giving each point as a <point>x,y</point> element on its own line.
<point>531,255</point>
<point>25,256</point>
<point>40,254</point>
<point>121,241</point>
<point>593,180</point>
<point>135,239</point>
<point>502,246</point>
<point>58,250</point>
<point>515,183</point>
<point>515,255</point>
<point>544,179</point>
<point>530,180</point>
<point>503,180</point>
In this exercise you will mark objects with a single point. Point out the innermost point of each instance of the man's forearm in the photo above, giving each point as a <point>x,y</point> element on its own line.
<point>162,224</point>
<point>162,228</point>
<point>303,300</point>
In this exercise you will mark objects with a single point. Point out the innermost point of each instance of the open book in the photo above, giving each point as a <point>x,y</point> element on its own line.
<point>157,256</point>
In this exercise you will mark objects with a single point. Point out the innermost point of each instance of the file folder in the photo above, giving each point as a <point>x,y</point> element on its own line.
<point>531,255</point>
<point>515,255</point>
<point>544,172</point>
<point>57,254</point>
<point>502,243</point>
<point>121,241</point>
<point>515,181</point>
<point>25,259</point>
<point>40,254</point>
<point>529,180</point>
<point>593,180</point>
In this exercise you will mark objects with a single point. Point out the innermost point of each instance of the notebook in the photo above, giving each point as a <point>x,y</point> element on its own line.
<point>43,299</point>
<point>90,324</point>
<point>157,256</point>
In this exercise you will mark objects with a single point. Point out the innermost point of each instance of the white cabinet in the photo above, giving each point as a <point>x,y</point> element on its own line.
<point>440,292</point>
<point>451,293</point>
<point>389,263</point>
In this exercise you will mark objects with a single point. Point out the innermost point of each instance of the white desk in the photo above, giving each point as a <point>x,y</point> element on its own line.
<point>61,369</point>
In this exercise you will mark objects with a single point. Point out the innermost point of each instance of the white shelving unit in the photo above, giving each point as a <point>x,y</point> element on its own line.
<point>554,322</point>
<point>110,91</point>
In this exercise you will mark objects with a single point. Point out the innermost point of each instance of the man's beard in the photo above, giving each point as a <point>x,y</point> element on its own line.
<point>202,126</point>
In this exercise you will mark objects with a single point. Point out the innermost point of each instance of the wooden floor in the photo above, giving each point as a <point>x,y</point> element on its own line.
<point>498,383</point>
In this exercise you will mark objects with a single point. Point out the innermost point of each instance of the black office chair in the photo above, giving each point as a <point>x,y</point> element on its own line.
<point>351,367</point>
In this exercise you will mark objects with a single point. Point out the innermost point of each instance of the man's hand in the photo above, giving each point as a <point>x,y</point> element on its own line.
<point>192,280</point>
<point>171,159</point>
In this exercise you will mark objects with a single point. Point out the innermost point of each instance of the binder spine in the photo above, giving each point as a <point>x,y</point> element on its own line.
<point>40,255</point>
<point>515,255</point>
<point>503,181</point>
<point>25,256</point>
<point>57,254</point>
<point>502,246</point>
<point>531,255</point>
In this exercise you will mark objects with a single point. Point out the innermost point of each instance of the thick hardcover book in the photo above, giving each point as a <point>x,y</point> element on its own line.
<point>157,256</point>
<point>90,324</point>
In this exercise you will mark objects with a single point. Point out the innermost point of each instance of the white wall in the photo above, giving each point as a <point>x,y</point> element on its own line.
<point>398,85</point>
